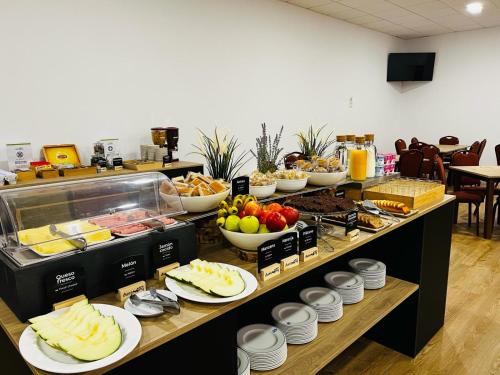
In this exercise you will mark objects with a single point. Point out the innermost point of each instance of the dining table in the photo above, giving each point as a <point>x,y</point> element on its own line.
<point>491,175</point>
<point>450,149</point>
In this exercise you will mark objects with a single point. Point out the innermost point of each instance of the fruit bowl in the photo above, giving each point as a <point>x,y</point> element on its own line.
<point>201,203</point>
<point>325,179</point>
<point>291,185</point>
<point>263,191</point>
<point>250,241</point>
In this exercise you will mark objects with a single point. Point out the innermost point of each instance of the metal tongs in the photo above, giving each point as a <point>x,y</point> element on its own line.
<point>168,304</point>
<point>79,242</point>
<point>371,208</point>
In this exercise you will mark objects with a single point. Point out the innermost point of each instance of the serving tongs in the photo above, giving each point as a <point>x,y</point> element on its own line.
<point>79,242</point>
<point>371,208</point>
<point>168,305</point>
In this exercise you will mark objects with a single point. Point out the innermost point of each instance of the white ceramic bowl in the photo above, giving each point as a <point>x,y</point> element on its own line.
<point>291,185</point>
<point>249,241</point>
<point>204,203</point>
<point>325,179</point>
<point>263,191</point>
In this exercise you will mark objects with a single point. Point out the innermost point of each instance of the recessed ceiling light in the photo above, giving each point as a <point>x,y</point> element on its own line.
<point>474,8</point>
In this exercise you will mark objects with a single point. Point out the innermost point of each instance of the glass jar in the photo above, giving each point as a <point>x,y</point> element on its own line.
<point>349,145</point>
<point>340,150</point>
<point>371,157</point>
<point>357,160</point>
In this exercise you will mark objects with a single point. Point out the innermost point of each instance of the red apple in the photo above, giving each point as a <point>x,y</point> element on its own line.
<point>291,215</point>
<point>275,207</point>
<point>263,216</point>
<point>253,209</point>
<point>242,214</point>
<point>275,222</point>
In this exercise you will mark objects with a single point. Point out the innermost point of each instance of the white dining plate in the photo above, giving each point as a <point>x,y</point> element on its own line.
<point>343,279</point>
<point>143,309</point>
<point>293,314</point>
<point>196,295</point>
<point>260,338</point>
<point>243,362</point>
<point>42,356</point>
<point>319,297</point>
<point>365,265</point>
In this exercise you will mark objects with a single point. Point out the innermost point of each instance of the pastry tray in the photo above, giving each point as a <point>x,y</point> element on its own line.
<point>360,225</point>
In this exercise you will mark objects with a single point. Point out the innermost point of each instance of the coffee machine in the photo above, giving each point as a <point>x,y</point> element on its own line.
<point>172,143</point>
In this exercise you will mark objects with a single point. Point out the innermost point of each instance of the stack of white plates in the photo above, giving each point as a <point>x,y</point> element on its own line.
<point>298,322</point>
<point>265,346</point>
<point>243,362</point>
<point>326,302</point>
<point>349,285</point>
<point>372,271</point>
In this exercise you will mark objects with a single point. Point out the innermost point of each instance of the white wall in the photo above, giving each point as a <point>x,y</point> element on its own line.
<point>78,71</point>
<point>464,97</point>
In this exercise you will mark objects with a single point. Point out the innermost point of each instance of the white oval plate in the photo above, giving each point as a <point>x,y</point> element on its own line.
<point>196,295</point>
<point>144,310</point>
<point>35,354</point>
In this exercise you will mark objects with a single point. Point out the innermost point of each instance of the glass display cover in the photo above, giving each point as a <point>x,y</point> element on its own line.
<point>44,221</point>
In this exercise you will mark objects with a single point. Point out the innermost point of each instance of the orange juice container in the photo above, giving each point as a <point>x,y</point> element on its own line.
<point>357,160</point>
<point>349,145</point>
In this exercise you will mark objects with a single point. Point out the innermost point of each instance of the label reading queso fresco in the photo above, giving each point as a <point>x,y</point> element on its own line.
<point>308,237</point>
<point>64,284</point>
<point>127,271</point>
<point>267,254</point>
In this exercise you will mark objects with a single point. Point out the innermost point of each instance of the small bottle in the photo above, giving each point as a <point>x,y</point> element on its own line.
<point>349,145</point>
<point>341,151</point>
<point>371,150</point>
<point>357,160</point>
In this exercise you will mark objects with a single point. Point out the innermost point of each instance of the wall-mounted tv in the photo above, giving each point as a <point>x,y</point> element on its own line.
<point>410,66</point>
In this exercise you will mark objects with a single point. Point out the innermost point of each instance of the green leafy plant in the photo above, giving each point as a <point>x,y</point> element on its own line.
<point>220,153</point>
<point>312,144</point>
<point>268,151</point>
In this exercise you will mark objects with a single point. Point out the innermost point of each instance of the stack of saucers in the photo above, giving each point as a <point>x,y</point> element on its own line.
<point>326,302</point>
<point>298,322</point>
<point>347,284</point>
<point>372,271</point>
<point>265,346</point>
<point>243,362</point>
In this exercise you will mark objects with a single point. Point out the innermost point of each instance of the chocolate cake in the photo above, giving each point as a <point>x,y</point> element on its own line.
<point>322,203</point>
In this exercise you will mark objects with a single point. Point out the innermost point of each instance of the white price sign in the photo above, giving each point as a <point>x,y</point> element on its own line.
<point>19,156</point>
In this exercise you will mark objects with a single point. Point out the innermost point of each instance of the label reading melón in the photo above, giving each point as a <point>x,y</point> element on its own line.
<point>127,271</point>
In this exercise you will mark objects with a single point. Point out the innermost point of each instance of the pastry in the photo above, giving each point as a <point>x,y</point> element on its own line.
<point>392,206</point>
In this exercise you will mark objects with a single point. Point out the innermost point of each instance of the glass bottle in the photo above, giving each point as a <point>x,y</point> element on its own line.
<point>357,160</point>
<point>371,158</point>
<point>349,145</point>
<point>341,151</point>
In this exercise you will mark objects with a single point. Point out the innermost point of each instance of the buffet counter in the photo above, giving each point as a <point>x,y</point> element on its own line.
<point>404,315</point>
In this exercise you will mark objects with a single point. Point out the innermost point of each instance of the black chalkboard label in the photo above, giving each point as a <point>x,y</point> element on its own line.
<point>64,284</point>
<point>267,254</point>
<point>340,193</point>
<point>165,252</point>
<point>288,245</point>
<point>240,185</point>
<point>308,237</point>
<point>351,221</point>
<point>127,271</point>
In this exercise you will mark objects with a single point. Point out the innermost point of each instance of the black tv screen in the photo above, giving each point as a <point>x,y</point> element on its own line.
<point>410,66</point>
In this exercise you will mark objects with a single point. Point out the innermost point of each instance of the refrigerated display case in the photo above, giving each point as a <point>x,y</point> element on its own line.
<point>88,226</point>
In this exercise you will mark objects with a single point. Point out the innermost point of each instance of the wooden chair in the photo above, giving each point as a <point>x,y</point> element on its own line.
<point>417,146</point>
<point>481,148</point>
<point>410,163</point>
<point>291,158</point>
<point>461,196</point>
<point>496,207</point>
<point>475,147</point>
<point>465,158</point>
<point>414,140</point>
<point>400,145</point>
<point>449,140</point>
<point>428,162</point>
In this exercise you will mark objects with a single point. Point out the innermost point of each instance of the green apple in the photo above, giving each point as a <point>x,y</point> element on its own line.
<point>263,229</point>
<point>232,223</point>
<point>249,224</point>
<point>286,227</point>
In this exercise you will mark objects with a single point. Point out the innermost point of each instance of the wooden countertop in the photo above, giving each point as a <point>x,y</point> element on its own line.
<point>489,172</point>
<point>45,181</point>
<point>157,331</point>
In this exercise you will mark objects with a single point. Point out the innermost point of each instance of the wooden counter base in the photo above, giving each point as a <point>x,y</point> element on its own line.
<point>401,247</point>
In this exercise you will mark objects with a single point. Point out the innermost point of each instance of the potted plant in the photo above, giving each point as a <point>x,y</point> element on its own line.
<point>220,154</point>
<point>268,151</point>
<point>312,144</point>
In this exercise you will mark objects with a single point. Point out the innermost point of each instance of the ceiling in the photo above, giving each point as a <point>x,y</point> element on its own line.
<point>407,19</point>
